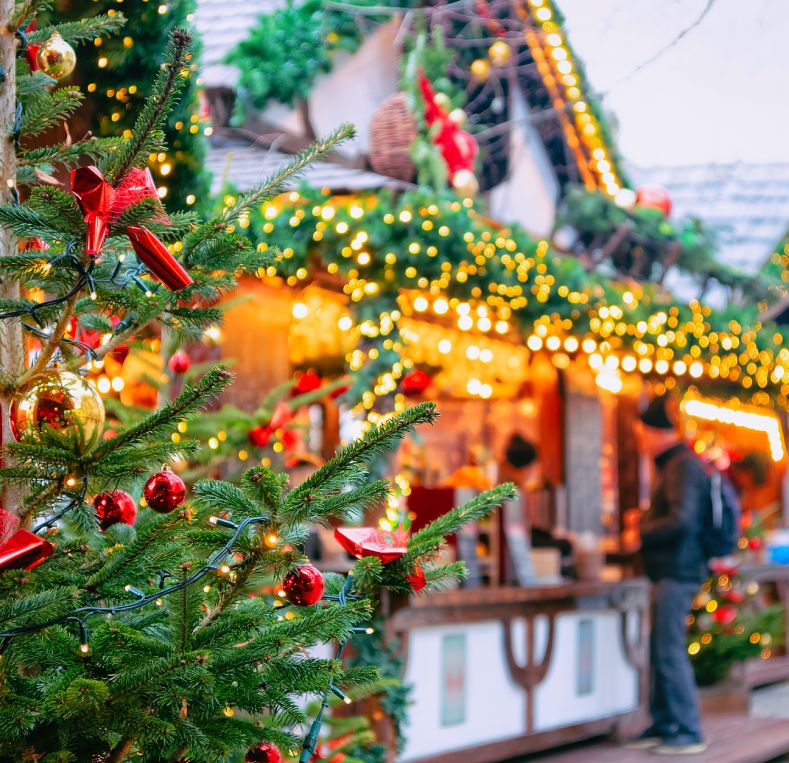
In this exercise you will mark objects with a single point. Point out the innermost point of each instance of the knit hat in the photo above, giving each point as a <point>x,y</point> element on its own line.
<point>658,413</point>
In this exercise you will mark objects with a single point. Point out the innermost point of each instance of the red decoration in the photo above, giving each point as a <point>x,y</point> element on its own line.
<point>101,204</point>
<point>24,551</point>
<point>263,752</point>
<point>282,415</point>
<point>304,585</point>
<point>33,244</point>
<point>457,147</point>
<point>260,436</point>
<point>367,541</point>
<point>309,381</point>
<point>179,362</point>
<point>8,525</point>
<point>417,579</point>
<point>654,197</point>
<point>754,543</point>
<point>165,491</point>
<point>31,51</point>
<point>735,597</point>
<point>718,567</point>
<point>157,258</point>
<point>134,188</point>
<point>415,382</point>
<point>113,507</point>
<point>725,615</point>
<point>290,439</point>
<point>94,196</point>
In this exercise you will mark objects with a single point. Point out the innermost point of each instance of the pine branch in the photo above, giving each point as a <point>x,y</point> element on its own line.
<point>84,30</point>
<point>357,454</point>
<point>427,539</point>
<point>147,130</point>
<point>68,154</point>
<point>276,183</point>
<point>216,496</point>
<point>188,402</point>
<point>50,109</point>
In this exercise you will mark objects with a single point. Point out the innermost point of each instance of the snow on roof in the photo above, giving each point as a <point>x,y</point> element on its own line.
<point>222,24</point>
<point>748,202</point>
<point>245,165</point>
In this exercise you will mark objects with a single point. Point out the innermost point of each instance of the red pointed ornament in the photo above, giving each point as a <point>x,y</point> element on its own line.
<point>164,491</point>
<point>157,258</point>
<point>368,541</point>
<point>32,48</point>
<point>304,586</point>
<point>115,507</point>
<point>263,752</point>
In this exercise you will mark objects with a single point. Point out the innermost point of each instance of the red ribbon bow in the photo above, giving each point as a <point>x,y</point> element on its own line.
<point>102,205</point>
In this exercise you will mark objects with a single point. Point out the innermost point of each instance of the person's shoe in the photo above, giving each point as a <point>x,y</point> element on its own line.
<point>679,746</point>
<point>645,741</point>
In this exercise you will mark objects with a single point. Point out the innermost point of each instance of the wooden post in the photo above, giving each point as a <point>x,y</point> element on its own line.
<point>11,342</point>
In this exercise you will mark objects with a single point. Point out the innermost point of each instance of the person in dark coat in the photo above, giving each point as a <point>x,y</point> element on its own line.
<point>675,562</point>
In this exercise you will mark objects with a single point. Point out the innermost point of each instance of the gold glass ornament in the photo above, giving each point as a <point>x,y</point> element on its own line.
<point>480,68</point>
<point>465,183</point>
<point>56,58</point>
<point>58,407</point>
<point>500,52</point>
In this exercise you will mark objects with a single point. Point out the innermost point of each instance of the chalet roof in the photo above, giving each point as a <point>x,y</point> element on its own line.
<point>244,165</point>
<point>222,24</point>
<point>748,202</point>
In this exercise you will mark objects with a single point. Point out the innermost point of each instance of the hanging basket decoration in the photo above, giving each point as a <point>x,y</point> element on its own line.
<point>392,130</point>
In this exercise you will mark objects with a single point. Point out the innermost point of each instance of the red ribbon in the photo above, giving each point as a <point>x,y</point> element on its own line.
<point>102,205</point>
<point>94,196</point>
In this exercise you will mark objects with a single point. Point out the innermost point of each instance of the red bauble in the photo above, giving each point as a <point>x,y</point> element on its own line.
<point>165,491</point>
<point>264,752</point>
<point>654,197</point>
<point>309,381</point>
<point>260,436</point>
<point>417,579</point>
<point>113,507</point>
<point>179,362</point>
<point>415,382</point>
<point>304,586</point>
<point>725,615</point>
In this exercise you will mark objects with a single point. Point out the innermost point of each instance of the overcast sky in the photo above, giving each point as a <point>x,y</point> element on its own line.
<point>720,94</point>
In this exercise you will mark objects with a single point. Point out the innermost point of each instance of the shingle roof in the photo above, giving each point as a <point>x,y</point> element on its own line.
<point>749,202</point>
<point>221,25</point>
<point>244,165</point>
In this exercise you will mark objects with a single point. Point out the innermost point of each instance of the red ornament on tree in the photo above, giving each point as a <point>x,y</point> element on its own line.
<point>260,436</point>
<point>165,491</point>
<point>417,579</point>
<point>94,196</point>
<point>179,362</point>
<point>415,382</point>
<point>113,507</point>
<point>263,752</point>
<point>304,585</point>
<point>654,197</point>
<point>309,381</point>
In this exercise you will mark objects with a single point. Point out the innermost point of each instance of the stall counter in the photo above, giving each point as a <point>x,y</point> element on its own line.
<point>500,672</point>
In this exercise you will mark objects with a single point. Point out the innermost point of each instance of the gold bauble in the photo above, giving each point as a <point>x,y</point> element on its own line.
<point>58,407</point>
<point>465,183</point>
<point>443,101</point>
<point>56,58</point>
<point>459,117</point>
<point>480,68</point>
<point>500,52</point>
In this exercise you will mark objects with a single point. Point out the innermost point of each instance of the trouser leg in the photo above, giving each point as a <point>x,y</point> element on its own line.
<point>675,699</point>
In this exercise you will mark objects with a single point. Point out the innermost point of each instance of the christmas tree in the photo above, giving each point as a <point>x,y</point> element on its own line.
<point>180,630</point>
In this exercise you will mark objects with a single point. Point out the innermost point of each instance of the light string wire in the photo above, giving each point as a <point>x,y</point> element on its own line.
<point>82,614</point>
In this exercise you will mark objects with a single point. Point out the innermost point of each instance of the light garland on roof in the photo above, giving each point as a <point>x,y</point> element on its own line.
<point>733,415</point>
<point>554,58</point>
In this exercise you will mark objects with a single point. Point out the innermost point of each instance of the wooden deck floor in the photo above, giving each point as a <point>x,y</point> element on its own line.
<point>731,738</point>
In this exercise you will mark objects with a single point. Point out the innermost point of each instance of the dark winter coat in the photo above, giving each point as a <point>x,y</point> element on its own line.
<point>671,529</point>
